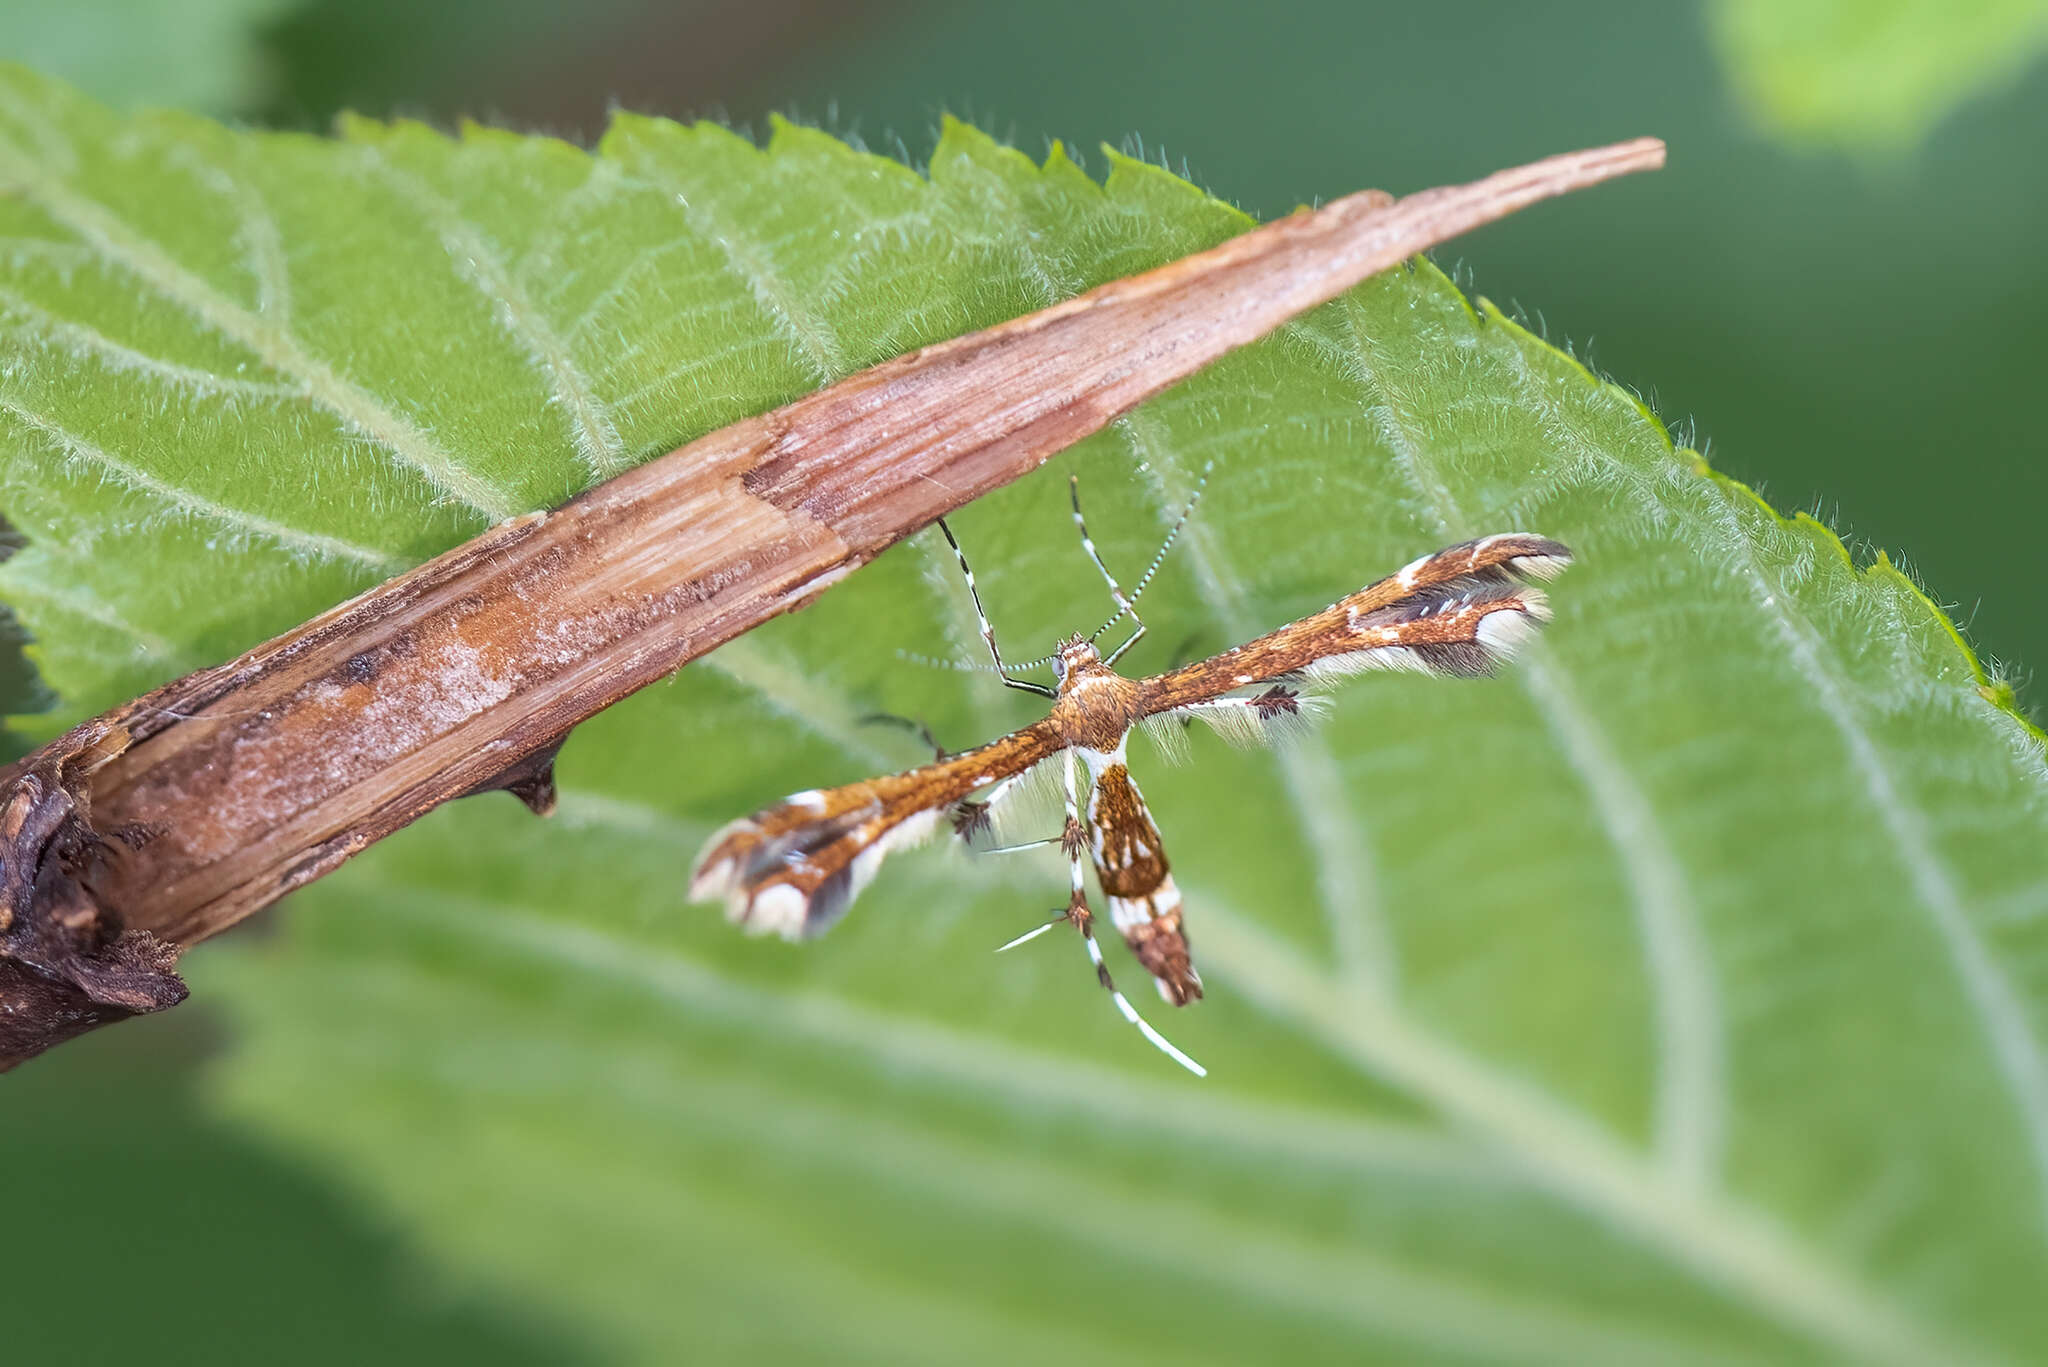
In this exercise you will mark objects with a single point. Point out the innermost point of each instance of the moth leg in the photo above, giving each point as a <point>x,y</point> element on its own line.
<point>1123,1005</point>
<point>1023,845</point>
<point>974,817</point>
<point>922,728</point>
<point>1035,931</point>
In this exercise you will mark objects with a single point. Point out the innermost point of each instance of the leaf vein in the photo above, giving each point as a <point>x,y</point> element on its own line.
<point>1689,1108</point>
<point>80,600</point>
<point>1017,1078</point>
<point>752,262</point>
<point>2012,1040</point>
<point>1725,1242</point>
<point>258,236</point>
<point>113,241</point>
<point>478,261</point>
<point>192,503</point>
<point>79,341</point>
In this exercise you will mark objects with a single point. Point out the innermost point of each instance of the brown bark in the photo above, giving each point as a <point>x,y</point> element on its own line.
<point>171,818</point>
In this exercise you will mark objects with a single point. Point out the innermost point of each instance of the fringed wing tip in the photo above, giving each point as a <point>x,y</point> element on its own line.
<point>797,882</point>
<point>1462,612</point>
<point>1539,557</point>
<point>713,874</point>
<point>1504,632</point>
<point>762,908</point>
<point>779,909</point>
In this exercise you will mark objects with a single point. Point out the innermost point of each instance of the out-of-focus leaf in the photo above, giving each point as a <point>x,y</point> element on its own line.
<point>1871,75</point>
<point>193,54</point>
<point>139,1180</point>
<point>1677,997</point>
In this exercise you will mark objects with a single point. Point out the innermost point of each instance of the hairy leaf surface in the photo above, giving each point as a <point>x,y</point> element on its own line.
<point>1678,996</point>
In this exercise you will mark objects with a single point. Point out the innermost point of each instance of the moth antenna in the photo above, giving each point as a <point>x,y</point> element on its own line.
<point>933,662</point>
<point>1116,593</point>
<point>1159,557</point>
<point>967,666</point>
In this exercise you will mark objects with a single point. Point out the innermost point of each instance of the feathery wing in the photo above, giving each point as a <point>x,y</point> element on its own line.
<point>1461,611</point>
<point>795,867</point>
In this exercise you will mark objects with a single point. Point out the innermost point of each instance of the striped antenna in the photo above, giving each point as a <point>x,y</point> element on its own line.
<point>969,666</point>
<point>1126,604</point>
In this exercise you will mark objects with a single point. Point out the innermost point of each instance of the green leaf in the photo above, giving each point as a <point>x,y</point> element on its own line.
<point>1677,996</point>
<point>1871,76</point>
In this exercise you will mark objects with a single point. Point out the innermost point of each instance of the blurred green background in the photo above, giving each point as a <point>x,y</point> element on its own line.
<point>1835,285</point>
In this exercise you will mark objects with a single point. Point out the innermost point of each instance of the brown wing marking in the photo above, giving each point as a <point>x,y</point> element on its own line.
<point>1461,611</point>
<point>794,868</point>
<point>1144,904</point>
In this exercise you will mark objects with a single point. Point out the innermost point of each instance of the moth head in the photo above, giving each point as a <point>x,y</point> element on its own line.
<point>1076,654</point>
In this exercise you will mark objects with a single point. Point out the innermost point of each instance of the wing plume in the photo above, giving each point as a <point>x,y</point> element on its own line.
<point>1461,612</point>
<point>794,868</point>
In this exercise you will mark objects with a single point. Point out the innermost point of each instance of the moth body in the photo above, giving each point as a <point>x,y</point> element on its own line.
<point>794,868</point>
